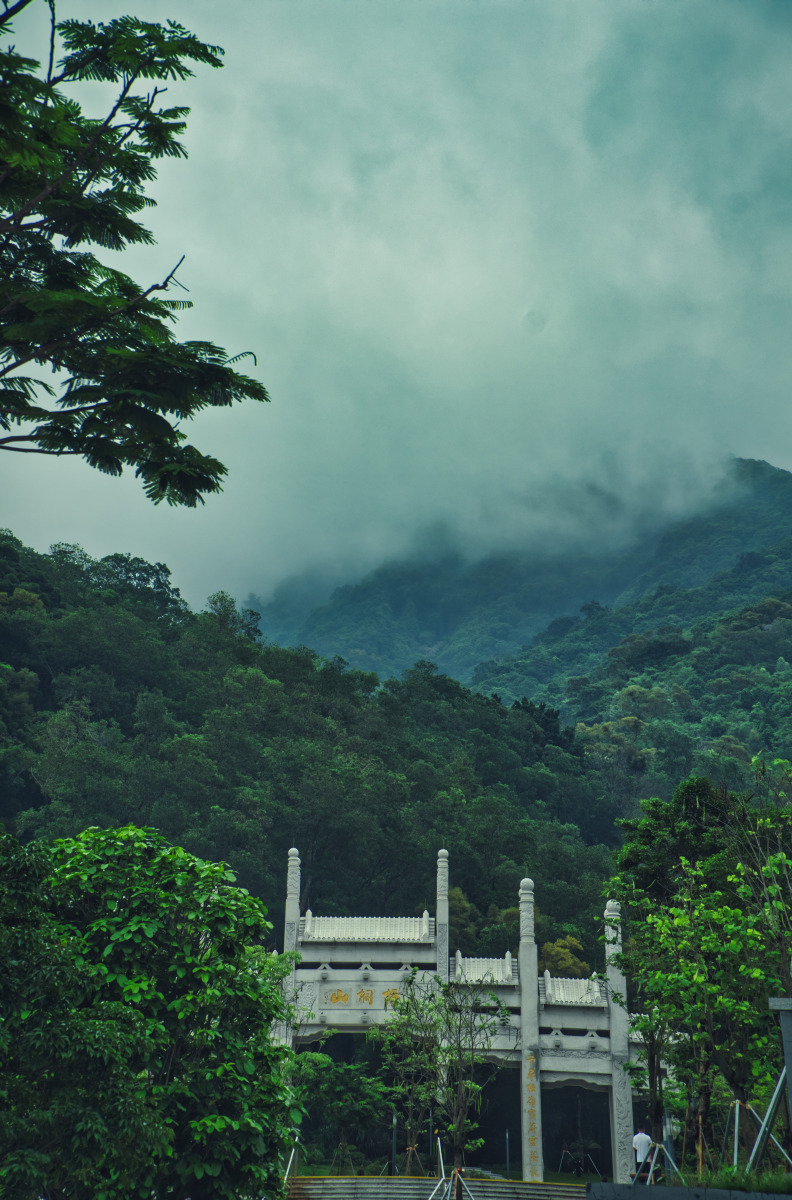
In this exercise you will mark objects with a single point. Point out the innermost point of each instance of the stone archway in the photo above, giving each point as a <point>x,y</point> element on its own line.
<point>561,1031</point>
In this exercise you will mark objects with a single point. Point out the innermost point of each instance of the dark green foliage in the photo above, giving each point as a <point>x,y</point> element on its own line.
<point>709,709</point>
<point>642,634</point>
<point>680,680</point>
<point>704,883</point>
<point>124,706</point>
<point>136,1052</point>
<point>738,1179</point>
<point>72,1107</point>
<point>69,181</point>
<point>697,825</point>
<point>735,555</point>
<point>455,612</point>
<point>435,1053</point>
<point>344,1103</point>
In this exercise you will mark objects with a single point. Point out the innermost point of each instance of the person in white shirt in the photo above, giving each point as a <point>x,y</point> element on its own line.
<point>641,1144</point>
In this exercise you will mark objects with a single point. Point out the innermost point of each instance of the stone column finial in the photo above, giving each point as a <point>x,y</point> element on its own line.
<point>292,899</point>
<point>526,910</point>
<point>613,937</point>
<point>293,873</point>
<point>442,875</point>
<point>613,945</point>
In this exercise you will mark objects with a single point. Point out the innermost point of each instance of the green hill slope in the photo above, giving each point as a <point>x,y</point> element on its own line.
<point>118,704</point>
<point>710,700</point>
<point>579,645</point>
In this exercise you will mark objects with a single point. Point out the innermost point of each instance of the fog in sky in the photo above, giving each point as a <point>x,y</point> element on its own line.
<point>495,258</point>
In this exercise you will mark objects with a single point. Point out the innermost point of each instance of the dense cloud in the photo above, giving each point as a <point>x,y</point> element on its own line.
<point>495,258</point>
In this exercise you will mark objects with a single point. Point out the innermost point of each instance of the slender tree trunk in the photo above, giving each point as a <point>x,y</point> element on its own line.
<point>688,1132</point>
<point>655,1090</point>
<point>703,1130</point>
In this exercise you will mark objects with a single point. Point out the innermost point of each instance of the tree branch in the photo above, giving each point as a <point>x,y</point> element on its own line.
<point>161,287</point>
<point>52,41</point>
<point>18,217</point>
<point>53,412</point>
<point>13,10</point>
<point>130,129</point>
<point>33,450</point>
<point>39,352</point>
<point>130,306</point>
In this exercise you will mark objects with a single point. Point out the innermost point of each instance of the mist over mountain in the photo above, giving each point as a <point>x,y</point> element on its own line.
<point>459,611</point>
<point>482,252</point>
<point>597,518</point>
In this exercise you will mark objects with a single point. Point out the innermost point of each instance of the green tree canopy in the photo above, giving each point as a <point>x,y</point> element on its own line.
<point>73,1104</point>
<point>704,881</point>
<point>342,1101</point>
<point>139,1005</point>
<point>123,384</point>
<point>435,1049</point>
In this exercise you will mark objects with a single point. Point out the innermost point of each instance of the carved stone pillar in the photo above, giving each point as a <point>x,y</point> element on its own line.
<point>621,1114</point>
<point>441,918</point>
<point>530,1089</point>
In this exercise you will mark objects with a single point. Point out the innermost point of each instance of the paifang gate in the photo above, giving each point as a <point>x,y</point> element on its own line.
<point>563,1031</point>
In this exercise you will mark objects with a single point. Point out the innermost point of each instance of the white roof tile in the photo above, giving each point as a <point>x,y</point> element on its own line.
<point>588,992</point>
<point>484,970</point>
<point>366,929</point>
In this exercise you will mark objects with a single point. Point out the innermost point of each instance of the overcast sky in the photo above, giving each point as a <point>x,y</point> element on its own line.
<point>484,251</point>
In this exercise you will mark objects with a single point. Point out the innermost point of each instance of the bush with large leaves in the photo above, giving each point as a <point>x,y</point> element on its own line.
<point>73,1109</point>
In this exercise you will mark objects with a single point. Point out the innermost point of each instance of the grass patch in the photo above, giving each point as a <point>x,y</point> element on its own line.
<point>737,1179</point>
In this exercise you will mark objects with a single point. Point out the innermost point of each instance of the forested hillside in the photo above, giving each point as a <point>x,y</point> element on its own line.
<point>119,704</point>
<point>663,703</point>
<point>460,614</point>
<point>581,645</point>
